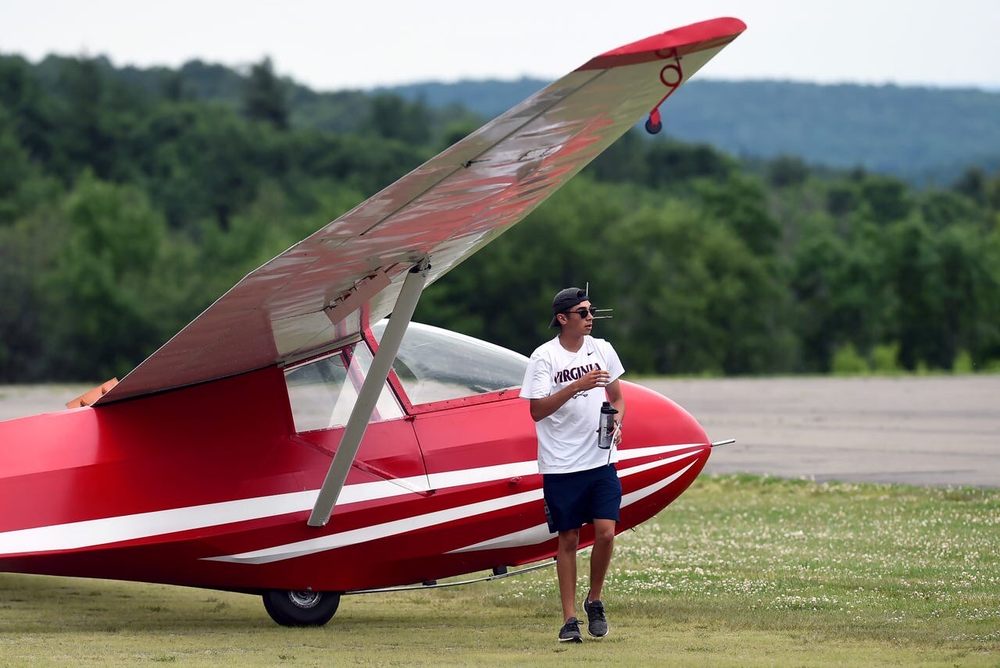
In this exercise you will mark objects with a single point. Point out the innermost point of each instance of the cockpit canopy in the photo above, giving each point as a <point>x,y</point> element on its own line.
<point>436,364</point>
<point>433,364</point>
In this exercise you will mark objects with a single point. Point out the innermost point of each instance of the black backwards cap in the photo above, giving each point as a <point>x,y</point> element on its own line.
<point>565,300</point>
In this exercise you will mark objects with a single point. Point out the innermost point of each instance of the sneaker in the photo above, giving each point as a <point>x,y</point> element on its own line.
<point>570,632</point>
<point>597,623</point>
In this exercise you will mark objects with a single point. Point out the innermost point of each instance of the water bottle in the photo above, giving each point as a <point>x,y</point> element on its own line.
<point>606,427</point>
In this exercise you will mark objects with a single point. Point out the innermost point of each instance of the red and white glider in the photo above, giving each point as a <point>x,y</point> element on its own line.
<point>218,461</point>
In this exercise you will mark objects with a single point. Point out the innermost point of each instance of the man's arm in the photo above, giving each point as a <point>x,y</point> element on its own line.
<point>617,399</point>
<point>546,406</point>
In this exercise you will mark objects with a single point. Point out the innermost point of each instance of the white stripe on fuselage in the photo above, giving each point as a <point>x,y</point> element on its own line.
<point>386,529</point>
<point>540,532</point>
<point>107,530</point>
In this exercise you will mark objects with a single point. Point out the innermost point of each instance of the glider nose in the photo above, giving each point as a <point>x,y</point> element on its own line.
<point>663,450</point>
<point>652,419</point>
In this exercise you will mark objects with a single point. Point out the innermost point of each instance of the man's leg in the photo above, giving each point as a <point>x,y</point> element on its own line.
<point>600,556</point>
<point>566,570</point>
<point>605,504</point>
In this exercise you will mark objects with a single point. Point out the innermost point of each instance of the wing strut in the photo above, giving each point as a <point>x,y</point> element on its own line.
<point>357,423</point>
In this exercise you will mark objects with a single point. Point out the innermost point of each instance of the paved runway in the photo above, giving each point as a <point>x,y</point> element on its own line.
<point>938,430</point>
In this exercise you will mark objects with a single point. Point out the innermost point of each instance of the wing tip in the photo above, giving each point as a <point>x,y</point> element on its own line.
<point>686,39</point>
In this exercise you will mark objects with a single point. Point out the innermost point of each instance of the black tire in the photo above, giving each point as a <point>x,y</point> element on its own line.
<point>301,608</point>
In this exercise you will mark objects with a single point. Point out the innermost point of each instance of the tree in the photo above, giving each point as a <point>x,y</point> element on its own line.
<point>787,171</point>
<point>692,297</point>
<point>205,161</point>
<point>940,209</point>
<point>972,184</point>
<point>887,198</point>
<point>264,97</point>
<point>623,161</point>
<point>914,269</point>
<point>842,199</point>
<point>839,293</point>
<point>27,249</point>
<point>30,111</point>
<point>392,117</point>
<point>106,283</point>
<point>85,131</point>
<point>15,169</point>
<point>740,202</point>
<point>970,292</point>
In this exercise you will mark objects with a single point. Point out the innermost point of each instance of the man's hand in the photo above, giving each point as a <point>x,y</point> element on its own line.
<point>546,406</point>
<point>595,378</point>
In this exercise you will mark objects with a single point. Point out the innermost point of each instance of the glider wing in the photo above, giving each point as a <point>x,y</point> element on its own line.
<point>317,293</point>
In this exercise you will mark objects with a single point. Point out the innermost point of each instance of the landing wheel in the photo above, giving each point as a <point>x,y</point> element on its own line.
<point>301,608</point>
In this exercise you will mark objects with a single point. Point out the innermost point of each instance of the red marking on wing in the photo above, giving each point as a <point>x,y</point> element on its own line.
<point>695,37</point>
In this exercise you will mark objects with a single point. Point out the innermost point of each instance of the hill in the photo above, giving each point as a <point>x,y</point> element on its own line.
<point>925,135</point>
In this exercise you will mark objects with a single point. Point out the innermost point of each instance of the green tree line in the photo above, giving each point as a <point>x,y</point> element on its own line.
<point>127,207</point>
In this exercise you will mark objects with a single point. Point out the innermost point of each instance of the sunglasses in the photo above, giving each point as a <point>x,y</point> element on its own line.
<point>582,312</point>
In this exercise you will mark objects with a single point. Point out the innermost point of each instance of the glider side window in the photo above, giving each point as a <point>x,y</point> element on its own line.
<point>322,392</point>
<point>436,364</point>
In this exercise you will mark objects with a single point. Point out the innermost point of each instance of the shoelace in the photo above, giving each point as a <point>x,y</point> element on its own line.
<point>575,624</point>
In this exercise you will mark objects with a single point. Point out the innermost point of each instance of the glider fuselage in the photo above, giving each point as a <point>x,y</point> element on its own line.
<point>211,486</point>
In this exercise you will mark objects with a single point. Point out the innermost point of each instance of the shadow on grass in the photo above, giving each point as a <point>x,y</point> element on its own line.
<point>72,605</point>
<point>32,604</point>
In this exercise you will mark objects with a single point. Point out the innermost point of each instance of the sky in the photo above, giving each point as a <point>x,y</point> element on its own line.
<point>333,45</point>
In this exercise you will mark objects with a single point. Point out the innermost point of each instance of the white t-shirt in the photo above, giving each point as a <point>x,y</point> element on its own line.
<point>567,439</point>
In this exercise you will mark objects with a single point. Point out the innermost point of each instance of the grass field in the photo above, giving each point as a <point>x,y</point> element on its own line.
<point>741,570</point>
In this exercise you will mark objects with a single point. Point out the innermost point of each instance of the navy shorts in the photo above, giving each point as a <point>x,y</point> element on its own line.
<point>578,498</point>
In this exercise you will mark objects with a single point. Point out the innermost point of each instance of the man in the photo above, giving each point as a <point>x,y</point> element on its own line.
<point>567,381</point>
